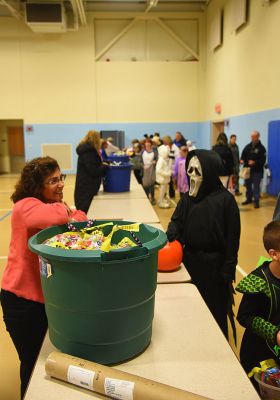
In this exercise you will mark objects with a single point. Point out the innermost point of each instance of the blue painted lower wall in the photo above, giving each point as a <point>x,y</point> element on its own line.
<point>198,132</point>
<point>73,133</point>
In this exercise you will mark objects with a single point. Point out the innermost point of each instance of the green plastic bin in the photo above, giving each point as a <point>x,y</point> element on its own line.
<point>100,306</point>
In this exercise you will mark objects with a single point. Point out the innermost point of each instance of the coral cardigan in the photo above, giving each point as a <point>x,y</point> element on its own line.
<point>30,215</point>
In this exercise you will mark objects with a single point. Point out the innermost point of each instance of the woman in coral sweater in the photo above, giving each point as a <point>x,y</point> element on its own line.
<point>38,204</point>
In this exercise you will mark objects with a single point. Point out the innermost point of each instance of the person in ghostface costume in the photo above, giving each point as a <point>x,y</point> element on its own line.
<point>207,223</point>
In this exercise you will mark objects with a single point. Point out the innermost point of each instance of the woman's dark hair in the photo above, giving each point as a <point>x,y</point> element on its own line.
<point>32,178</point>
<point>222,139</point>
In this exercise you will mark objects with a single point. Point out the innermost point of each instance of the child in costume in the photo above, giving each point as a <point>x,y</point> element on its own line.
<point>136,161</point>
<point>149,160</point>
<point>179,174</point>
<point>207,223</point>
<point>163,175</point>
<point>259,310</point>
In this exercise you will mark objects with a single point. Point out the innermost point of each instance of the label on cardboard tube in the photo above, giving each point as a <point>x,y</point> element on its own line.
<point>80,377</point>
<point>118,389</point>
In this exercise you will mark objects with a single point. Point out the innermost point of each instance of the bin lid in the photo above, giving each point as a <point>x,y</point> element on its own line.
<point>152,240</point>
<point>121,164</point>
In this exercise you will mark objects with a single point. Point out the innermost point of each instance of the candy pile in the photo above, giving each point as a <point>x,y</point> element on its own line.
<point>93,238</point>
<point>271,376</point>
<point>77,240</point>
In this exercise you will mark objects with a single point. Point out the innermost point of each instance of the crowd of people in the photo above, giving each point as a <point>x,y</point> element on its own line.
<point>151,167</point>
<point>155,161</point>
<point>161,161</point>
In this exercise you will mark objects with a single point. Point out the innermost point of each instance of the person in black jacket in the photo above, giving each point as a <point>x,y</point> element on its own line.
<point>207,223</point>
<point>222,148</point>
<point>236,163</point>
<point>254,156</point>
<point>90,170</point>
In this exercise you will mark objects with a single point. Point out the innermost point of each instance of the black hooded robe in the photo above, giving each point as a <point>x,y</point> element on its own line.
<point>89,174</point>
<point>208,226</point>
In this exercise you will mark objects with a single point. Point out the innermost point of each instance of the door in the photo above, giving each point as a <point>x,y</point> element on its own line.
<point>273,152</point>
<point>217,128</point>
<point>16,148</point>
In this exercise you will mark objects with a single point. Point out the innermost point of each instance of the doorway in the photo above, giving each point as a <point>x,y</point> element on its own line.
<point>12,152</point>
<point>217,128</point>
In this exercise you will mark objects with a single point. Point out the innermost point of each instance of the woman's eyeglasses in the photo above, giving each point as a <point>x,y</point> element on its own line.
<point>56,180</point>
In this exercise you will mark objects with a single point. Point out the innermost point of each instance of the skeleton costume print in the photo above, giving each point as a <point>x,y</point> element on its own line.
<point>207,223</point>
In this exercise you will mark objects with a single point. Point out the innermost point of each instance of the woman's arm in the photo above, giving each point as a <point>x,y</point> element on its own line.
<point>39,215</point>
<point>93,164</point>
<point>232,236</point>
<point>176,225</point>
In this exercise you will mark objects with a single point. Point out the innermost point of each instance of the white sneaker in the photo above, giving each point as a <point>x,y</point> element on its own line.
<point>164,205</point>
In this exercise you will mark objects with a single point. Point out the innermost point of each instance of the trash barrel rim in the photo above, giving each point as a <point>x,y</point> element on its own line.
<point>54,253</point>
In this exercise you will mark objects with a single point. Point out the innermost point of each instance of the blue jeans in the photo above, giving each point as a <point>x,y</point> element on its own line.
<point>253,186</point>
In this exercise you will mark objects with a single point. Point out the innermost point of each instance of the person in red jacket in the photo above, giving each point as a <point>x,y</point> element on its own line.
<point>38,204</point>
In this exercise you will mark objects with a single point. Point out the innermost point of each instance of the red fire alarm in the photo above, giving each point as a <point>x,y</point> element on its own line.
<point>218,108</point>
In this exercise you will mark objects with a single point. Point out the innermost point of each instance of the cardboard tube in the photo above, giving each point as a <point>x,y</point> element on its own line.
<point>111,382</point>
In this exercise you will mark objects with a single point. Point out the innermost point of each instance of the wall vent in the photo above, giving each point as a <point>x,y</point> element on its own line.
<point>45,17</point>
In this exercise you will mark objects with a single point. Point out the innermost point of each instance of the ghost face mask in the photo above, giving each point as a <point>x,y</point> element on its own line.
<point>195,173</point>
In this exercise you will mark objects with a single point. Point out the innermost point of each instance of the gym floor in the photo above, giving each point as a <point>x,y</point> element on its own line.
<point>251,248</point>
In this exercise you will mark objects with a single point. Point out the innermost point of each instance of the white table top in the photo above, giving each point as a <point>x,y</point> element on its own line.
<point>132,194</point>
<point>135,210</point>
<point>187,351</point>
<point>181,275</point>
<point>136,192</point>
<point>133,182</point>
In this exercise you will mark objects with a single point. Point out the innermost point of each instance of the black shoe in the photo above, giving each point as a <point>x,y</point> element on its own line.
<point>244,203</point>
<point>256,205</point>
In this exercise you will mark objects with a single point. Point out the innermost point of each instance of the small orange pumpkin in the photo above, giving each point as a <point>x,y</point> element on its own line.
<point>170,256</point>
